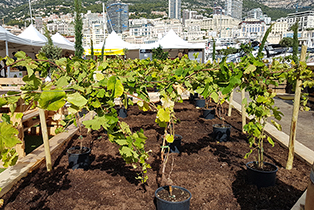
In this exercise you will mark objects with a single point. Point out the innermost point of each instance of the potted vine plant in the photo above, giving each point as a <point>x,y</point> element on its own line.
<point>225,80</point>
<point>257,78</point>
<point>169,196</point>
<point>208,111</point>
<point>221,132</point>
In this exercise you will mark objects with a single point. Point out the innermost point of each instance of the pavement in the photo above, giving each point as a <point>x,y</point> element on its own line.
<point>305,122</point>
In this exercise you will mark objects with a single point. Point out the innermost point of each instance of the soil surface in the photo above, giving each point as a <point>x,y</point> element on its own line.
<point>214,172</point>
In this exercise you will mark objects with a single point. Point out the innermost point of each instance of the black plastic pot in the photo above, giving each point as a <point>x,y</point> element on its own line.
<point>221,132</point>
<point>79,160</point>
<point>209,113</point>
<point>175,146</point>
<point>123,113</point>
<point>200,103</point>
<point>193,96</point>
<point>261,178</point>
<point>168,205</point>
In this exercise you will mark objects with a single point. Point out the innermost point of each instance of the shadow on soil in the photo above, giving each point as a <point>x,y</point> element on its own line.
<point>114,167</point>
<point>250,197</point>
<point>46,183</point>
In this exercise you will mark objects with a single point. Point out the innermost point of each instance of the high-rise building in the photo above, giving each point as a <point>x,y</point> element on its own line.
<point>234,8</point>
<point>117,17</point>
<point>175,9</point>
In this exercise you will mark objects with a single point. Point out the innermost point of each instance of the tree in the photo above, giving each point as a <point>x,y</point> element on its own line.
<point>78,29</point>
<point>50,51</point>
<point>158,53</point>
<point>286,42</point>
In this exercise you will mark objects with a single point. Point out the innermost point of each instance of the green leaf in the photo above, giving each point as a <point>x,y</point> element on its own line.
<point>52,99</point>
<point>62,82</point>
<point>270,141</point>
<point>169,138</point>
<point>121,142</point>
<point>99,76</point>
<point>116,86</point>
<point>163,115</point>
<point>248,154</point>
<point>32,82</point>
<point>244,101</point>
<point>96,104</point>
<point>13,99</point>
<point>215,97</point>
<point>96,123</point>
<point>6,118</point>
<point>3,102</point>
<point>20,55</point>
<point>277,125</point>
<point>126,151</point>
<point>77,99</point>
<point>8,136</point>
<point>249,69</point>
<point>143,105</point>
<point>19,115</point>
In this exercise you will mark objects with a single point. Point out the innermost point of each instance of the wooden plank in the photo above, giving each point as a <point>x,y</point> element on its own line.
<point>12,81</point>
<point>44,132</point>
<point>10,88</point>
<point>29,114</point>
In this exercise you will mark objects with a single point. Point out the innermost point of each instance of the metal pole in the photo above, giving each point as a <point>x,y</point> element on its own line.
<point>7,52</point>
<point>104,19</point>
<point>30,11</point>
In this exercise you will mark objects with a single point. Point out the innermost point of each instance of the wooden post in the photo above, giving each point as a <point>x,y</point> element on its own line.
<point>243,109</point>
<point>20,148</point>
<point>230,104</point>
<point>294,119</point>
<point>44,132</point>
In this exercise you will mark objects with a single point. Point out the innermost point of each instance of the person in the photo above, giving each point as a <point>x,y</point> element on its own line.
<point>67,55</point>
<point>2,69</point>
<point>14,58</point>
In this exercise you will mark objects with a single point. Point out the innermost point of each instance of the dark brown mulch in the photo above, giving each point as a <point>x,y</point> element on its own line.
<point>215,173</point>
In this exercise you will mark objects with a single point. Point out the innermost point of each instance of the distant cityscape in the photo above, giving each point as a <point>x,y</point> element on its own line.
<point>225,23</point>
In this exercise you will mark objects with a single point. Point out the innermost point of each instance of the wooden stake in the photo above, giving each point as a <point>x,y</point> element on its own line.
<point>294,119</point>
<point>44,132</point>
<point>230,104</point>
<point>243,110</point>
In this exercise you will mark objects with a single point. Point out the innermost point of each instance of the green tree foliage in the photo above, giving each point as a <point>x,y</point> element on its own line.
<point>286,42</point>
<point>91,49</point>
<point>295,46</point>
<point>78,29</point>
<point>159,53</point>
<point>229,50</point>
<point>49,50</point>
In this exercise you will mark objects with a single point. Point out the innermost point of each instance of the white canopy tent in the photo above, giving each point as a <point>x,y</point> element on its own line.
<point>172,41</point>
<point>10,43</point>
<point>113,41</point>
<point>174,44</point>
<point>33,34</point>
<point>62,42</point>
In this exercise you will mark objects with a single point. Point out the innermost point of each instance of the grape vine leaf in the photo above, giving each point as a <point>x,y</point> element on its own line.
<point>52,99</point>
<point>8,136</point>
<point>76,99</point>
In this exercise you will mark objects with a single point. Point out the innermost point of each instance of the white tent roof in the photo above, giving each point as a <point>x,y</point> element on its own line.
<point>62,42</point>
<point>113,41</point>
<point>16,43</point>
<point>172,41</point>
<point>33,34</point>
